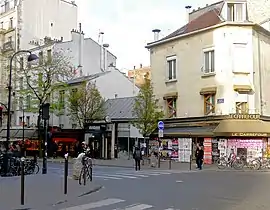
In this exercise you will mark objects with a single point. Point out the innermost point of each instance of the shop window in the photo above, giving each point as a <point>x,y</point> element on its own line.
<point>171,107</point>
<point>241,107</point>
<point>209,104</point>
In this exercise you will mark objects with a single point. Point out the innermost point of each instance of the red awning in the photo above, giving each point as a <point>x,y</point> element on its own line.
<point>67,140</point>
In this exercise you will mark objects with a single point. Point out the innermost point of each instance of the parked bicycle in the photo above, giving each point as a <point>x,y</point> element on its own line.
<point>86,171</point>
<point>224,162</point>
<point>264,163</point>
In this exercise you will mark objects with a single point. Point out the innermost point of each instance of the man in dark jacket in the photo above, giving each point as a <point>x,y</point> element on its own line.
<point>199,157</point>
<point>137,156</point>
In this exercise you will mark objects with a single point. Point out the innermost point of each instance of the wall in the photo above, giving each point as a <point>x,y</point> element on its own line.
<point>90,53</point>
<point>261,52</point>
<point>258,10</point>
<point>189,53</point>
<point>38,15</point>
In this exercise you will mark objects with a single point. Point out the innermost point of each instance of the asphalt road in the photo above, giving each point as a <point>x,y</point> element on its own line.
<point>204,190</point>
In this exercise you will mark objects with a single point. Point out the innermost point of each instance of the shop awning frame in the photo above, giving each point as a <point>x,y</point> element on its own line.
<point>251,128</point>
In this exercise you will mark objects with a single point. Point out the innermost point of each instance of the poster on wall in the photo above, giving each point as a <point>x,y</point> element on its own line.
<point>222,147</point>
<point>207,144</point>
<point>169,149</point>
<point>185,147</point>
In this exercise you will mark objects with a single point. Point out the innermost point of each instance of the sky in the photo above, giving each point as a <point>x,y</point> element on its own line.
<point>128,24</point>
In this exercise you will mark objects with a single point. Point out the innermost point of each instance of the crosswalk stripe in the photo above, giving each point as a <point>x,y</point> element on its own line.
<point>122,176</point>
<point>140,175</point>
<point>139,207</point>
<point>106,177</point>
<point>98,204</point>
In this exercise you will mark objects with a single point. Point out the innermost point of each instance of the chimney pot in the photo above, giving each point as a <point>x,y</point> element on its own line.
<point>156,34</point>
<point>140,65</point>
<point>187,13</point>
<point>134,67</point>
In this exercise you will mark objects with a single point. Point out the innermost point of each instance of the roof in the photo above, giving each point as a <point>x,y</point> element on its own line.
<point>120,108</point>
<point>18,133</point>
<point>209,16</point>
<point>86,78</point>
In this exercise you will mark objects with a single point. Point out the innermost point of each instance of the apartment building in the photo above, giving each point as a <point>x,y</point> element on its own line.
<point>212,78</point>
<point>137,75</point>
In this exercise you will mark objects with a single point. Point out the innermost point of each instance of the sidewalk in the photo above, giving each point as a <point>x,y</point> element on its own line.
<point>41,191</point>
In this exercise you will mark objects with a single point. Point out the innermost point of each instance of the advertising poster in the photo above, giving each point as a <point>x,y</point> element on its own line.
<point>185,147</point>
<point>207,144</point>
<point>169,148</point>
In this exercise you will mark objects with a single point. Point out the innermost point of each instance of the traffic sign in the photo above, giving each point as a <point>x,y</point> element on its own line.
<point>160,133</point>
<point>161,125</point>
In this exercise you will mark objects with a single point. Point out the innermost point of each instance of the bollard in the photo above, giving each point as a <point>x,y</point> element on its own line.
<point>170,163</point>
<point>158,161</point>
<point>190,162</point>
<point>66,174</point>
<point>22,180</point>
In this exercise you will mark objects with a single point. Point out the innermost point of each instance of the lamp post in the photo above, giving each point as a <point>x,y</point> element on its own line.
<point>30,58</point>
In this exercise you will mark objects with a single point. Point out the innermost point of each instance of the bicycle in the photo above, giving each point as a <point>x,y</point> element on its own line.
<point>235,163</point>
<point>253,164</point>
<point>264,163</point>
<point>86,171</point>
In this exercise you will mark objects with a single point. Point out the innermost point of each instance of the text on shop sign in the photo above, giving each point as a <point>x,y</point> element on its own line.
<point>245,116</point>
<point>250,134</point>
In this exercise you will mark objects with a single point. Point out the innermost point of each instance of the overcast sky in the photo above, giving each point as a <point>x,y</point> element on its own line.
<point>127,24</point>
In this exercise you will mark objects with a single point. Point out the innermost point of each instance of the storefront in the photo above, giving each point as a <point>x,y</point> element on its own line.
<point>245,135</point>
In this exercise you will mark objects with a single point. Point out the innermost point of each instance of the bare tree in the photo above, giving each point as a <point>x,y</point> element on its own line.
<point>86,104</point>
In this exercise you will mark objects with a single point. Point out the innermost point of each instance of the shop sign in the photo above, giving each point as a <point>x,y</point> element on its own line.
<point>245,116</point>
<point>250,134</point>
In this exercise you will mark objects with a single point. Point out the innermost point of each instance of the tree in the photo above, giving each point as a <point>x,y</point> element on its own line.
<point>146,109</point>
<point>85,104</point>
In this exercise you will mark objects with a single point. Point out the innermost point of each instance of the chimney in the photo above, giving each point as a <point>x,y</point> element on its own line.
<point>156,34</point>
<point>188,8</point>
<point>134,67</point>
<point>105,57</point>
<point>140,65</point>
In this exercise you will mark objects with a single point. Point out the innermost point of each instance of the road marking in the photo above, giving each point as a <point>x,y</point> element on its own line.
<point>179,181</point>
<point>98,204</point>
<point>105,177</point>
<point>140,175</point>
<point>139,207</point>
<point>122,176</point>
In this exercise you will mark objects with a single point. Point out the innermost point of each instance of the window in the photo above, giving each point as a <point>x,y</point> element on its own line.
<point>6,6</point>
<point>40,58</point>
<point>2,8</point>
<point>21,63</point>
<point>10,39</point>
<point>11,23</point>
<point>2,25</point>
<point>20,120</point>
<point>241,107</point>
<point>21,103</point>
<point>235,12</point>
<point>209,61</point>
<point>27,120</point>
<point>209,104</point>
<point>28,102</point>
<point>171,68</point>
<point>49,56</point>
<point>62,99</point>
<point>21,83</point>
<point>171,107</point>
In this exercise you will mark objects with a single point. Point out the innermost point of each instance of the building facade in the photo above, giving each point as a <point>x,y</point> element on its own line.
<point>211,77</point>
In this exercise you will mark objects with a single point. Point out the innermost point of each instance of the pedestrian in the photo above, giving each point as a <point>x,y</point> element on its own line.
<point>199,158</point>
<point>196,154</point>
<point>137,156</point>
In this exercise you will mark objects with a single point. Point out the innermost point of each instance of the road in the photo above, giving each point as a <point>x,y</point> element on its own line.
<point>149,189</point>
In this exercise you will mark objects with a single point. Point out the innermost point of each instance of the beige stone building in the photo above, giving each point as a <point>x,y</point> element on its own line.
<point>212,75</point>
<point>137,75</point>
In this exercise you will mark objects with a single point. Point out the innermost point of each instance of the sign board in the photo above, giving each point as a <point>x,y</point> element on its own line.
<point>220,100</point>
<point>160,133</point>
<point>250,134</point>
<point>161,125</point>
<point>245,116</point>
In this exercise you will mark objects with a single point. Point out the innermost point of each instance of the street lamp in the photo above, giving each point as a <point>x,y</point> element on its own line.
<point>30,58</point>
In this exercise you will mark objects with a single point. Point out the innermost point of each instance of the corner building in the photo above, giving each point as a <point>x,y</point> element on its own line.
<point>212,79</point>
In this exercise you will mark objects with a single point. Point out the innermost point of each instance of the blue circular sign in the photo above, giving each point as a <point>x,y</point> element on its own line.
<point>160,125</point>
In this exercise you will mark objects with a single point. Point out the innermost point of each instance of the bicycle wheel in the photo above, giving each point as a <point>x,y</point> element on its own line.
<point>254,164</point>
<point>221,163</point>
<point>36,168</point>
<point>82,176</point>
<point>238,164</point>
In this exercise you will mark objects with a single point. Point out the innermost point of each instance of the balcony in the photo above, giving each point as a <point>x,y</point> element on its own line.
<point>8,46</point>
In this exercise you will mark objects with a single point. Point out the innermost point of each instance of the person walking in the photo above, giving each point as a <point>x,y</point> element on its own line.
<point>137,156</point>
<point>199,158</point>
<point>196,154</point>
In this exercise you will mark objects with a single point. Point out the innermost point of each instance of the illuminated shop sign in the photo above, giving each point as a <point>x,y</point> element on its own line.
<point>245,116</point>
<point>250,134</point>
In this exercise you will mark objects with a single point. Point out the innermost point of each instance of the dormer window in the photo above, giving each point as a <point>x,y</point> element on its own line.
<point>236,12</point>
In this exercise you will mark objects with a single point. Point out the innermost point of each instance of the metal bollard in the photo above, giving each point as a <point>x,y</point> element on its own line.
<point>66,174</point>
<point>190,162</point>
<point>170,163</point>
<point>158,161</point>
<point>22,180</point>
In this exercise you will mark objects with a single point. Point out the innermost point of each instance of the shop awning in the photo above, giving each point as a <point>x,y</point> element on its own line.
<point>208,90</point>
<point>242,88</point>
<point>195,131</point>
<point>64,140</point>
<point>251,128</point>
